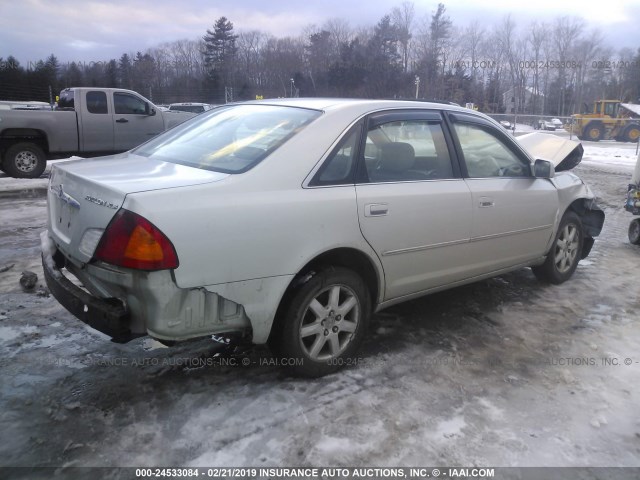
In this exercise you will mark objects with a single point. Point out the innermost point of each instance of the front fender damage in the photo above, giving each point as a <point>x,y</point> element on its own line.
<point>574,194</point>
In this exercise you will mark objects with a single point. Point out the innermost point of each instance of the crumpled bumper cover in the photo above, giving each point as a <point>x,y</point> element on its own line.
<point>109,316</point>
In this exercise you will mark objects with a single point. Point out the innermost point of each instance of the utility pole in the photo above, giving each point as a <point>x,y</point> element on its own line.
<point>417,82</point>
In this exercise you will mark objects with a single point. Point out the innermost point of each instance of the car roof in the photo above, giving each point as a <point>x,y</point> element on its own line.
<point>363,106</point>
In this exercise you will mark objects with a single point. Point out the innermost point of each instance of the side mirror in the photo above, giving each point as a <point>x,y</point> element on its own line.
<point>150,110</point>
<point>543,169</point>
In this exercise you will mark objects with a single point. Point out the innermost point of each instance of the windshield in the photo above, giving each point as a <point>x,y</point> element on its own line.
<point>229,139</point>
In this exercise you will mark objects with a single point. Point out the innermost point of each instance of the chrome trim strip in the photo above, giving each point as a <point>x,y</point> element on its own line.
<point>64,196</point>
<point>466,240</point>
<point>425,247</point>
<point>514,232</point>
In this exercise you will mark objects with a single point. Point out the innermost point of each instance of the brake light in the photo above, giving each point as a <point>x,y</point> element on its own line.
<point>132,241</point>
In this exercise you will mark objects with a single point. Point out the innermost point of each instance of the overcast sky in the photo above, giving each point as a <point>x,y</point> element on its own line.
<point>85,30</point>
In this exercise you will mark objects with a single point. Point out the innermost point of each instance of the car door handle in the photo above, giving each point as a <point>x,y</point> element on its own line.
<point>376,209</point>
<point>486,202</point>
<point>122,120</point>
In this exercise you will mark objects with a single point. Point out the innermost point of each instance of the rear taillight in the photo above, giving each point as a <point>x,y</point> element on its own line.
<point>134,242</point>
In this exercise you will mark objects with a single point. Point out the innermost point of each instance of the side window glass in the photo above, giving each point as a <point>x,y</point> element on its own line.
<point>485,155</point>
<point>407,151</point>
<point>126,104</point>
<point>338,168</point>
<point>97,102</point>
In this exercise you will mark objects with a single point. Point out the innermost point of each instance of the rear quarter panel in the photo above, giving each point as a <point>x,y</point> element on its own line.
<point>261,223</point>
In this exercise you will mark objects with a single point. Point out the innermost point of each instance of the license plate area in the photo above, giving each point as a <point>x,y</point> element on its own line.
<point>63,216</point>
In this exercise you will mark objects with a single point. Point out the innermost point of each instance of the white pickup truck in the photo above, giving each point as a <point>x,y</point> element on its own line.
<point>87,122</point>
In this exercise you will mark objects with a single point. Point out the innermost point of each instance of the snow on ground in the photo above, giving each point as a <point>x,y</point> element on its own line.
<point>613,154</point>
<point>504,372</point>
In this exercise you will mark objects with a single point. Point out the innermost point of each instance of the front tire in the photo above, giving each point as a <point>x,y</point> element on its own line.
<point>324,322</point>
<point>594,132</point>
<point>634,232</point>
<point>566,250</point>
<point>24,160</point>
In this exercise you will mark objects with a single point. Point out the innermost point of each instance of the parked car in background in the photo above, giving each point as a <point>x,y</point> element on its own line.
<point>557,123</point>
<point>546,124</point>
<point>290,221</point>
<point>190,107</point>
<point>88,121</point>
<point>506,124</point>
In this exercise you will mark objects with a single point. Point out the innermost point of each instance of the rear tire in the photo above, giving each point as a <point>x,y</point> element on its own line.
<point>631,133</point>
<point>566,250</point>
<point>634,232</point>
<point>24,160</point>
<point>324,323</point>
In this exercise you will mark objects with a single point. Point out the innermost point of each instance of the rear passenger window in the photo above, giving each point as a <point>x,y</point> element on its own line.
<point>407,151</point>
<point>485,155</point>
<point>97,102</point>
<point>338,168</point>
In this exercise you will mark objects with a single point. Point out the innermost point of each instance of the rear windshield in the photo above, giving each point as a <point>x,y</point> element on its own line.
<point>229,139</point>
<point>187,108</point>
<point>66,100</point>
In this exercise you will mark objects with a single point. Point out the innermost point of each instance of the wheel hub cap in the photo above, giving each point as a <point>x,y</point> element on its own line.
<point>567,248</point>
<point>329,322</point>
<point>26,161</point>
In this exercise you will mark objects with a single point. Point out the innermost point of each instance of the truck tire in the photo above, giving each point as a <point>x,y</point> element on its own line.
<point>24,160</point>
<point>631,133</point>
<point>593,132</point>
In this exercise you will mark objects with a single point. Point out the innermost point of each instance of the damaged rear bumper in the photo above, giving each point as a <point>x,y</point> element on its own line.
<point>125,304</point>
<point>109,316</point>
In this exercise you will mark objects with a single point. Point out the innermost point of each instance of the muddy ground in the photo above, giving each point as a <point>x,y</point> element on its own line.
<point>505,372</point>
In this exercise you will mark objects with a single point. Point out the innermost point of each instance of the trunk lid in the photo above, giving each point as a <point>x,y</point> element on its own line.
<point>83,196</point>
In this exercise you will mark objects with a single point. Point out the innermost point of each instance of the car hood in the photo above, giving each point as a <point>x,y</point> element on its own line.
<point>565,154</point>
<point>83,196</point>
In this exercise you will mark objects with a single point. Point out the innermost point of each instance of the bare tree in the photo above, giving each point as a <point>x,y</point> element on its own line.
<point>566,33</point>
<point>340,33</point>
<point>402,19</point>
<point>585,52</point>
<point>250,45</point>
<point>472,37</point>
<point>538,36</point>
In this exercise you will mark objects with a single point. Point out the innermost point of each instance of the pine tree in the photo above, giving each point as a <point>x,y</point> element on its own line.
<point>219,55</point>
<point>125,67</point>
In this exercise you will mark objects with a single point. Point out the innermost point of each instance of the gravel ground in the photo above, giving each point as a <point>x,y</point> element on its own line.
<point>504,372</point>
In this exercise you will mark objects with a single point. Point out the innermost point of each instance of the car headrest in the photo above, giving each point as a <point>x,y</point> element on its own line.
<point>397,157</point>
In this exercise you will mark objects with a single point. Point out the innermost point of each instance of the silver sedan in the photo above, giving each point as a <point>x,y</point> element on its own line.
<point>290,221</point>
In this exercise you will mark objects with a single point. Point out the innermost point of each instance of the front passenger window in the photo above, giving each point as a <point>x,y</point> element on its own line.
<point>126,104</point>
<point>485,155</point>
